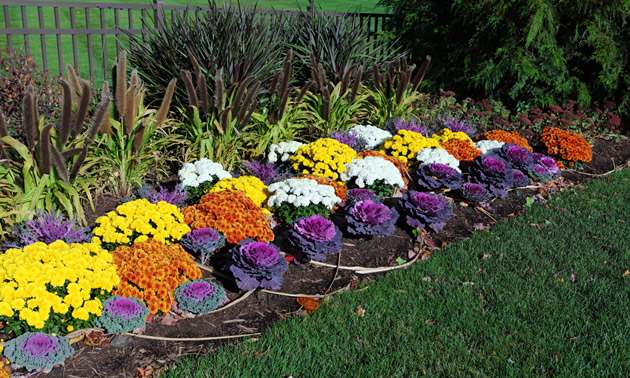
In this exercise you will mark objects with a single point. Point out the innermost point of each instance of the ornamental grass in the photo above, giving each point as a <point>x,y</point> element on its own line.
<point>232,213</point>
<point>507,137</point>
<point>151,271</point>
<point>570,148</point>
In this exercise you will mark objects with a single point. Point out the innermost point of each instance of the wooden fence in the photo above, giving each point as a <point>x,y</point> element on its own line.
<point>90,35</point>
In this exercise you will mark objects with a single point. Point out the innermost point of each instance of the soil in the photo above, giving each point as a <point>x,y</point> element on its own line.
<point>122,355</point>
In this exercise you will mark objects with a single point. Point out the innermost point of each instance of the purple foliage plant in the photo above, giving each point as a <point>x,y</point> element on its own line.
<point>455,125</point>
<point>540,173</point>
<point>366,218</point>
<point>435,175</point>
<point>313,237</point>
<point>426,210</point>
<point>394,124</point>
<point>475,192</point>
<point>38,350</point>
<point>267,172</point>
<point>203,241</point>
<point>493,172</point>
<point>178,196</point>
<point>520,178</point>
<point>257,264</point>
<point>549,163</point>
<point>520,158</point>
<point>48,227</point>
<point>355,142</point>
<point>122,314</point>
<point>359,194</point>
<point>199,296</point>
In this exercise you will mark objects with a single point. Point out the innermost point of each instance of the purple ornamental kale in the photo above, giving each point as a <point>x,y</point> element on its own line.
<point>359,194</point>
<point>367,218</point>
<point>540,173</point>
<point>519,157</point>
<point>549,163</point>
<point>199,296</point>
<point>394,124</point>
<point>38,350</point>
<point>178,196</point>
<point>355,142</point>
<point>203,241</point>
<point>493,172</point>
<point>475,192</point>
<point>257,264</point>
<point>435,175</point>
<point>455,125</point>
<point>314,237</point>
<point>426,210</point>
<point>268,173</point>
<point>47,228</point>
<point>122,314</point>
<point>520,178</point>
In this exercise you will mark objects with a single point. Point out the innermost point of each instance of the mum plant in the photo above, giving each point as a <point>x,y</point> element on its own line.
<point>375,173</point>
<point>367,218</point>
<point>257,264</point>
<point>55,287</point>
<point>435,176</point>
<point>424,210</point>
<point>570,148</point>
<point>437,155</point>
<point>282,151</point>
<point>200,176</point>
<point>199,296</point>
<point>487,145</point>
<point>446,134</point>
<point>38,351</point>
<point>234,214</point>
<point>324,157</point>
<point>139,220</point>
<point>313,237</point>
<point>301,197</point>
<point>405,145</point>
<point>255,189</point>
<point>493,172</point>
<point>506,137</point>
<point>151,271</point>
<point>372,135</point>
<point>122,314</point>
<point>402,167</point>
<point>203,241</point>
<point>462,150</point>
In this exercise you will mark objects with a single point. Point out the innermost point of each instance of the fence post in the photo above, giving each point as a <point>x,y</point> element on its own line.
<point>159,14</point>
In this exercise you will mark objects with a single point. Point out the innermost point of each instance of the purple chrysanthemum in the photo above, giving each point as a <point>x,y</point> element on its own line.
<point>426,210</point>
<point>47,228</point>
<point>199,296</point>
<point>475,192</point>
<point>355,142</point>
<point>394,124</point>
<point>520,178</point>
<point>367,218</point>
<point>203,241</point>
<point>435,175</point>
<point>122,314</point>
<point>549,163</point>
<point>493,172</point>
<point>314,237</point>
<point>268,173</point>
<point>257,264</point>
<point>455,125</point>
<point>539,173</point>
<point>38,350</point>
<point>178,196</point>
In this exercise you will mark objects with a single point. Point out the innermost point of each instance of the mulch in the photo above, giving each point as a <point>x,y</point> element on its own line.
<point>129,356</point>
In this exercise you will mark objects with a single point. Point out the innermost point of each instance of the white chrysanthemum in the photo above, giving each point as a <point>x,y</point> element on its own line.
<point>486,146</point>
<point>437,155</point>
<point>370,169</point>
<point>282,151</point>
<point>372,135</point>
<point>193,174</point>
<point>302,192</point>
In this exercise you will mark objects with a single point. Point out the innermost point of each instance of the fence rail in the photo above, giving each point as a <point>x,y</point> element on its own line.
<point>91,35</point>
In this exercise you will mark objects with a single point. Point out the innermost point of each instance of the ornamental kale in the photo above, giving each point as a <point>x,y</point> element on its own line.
<point>426,210</point>
<point>475,192</point>
<point>203,241</point>
<point>549,163</point>
<point>178,196</point>
<point>435,175</point>
<point>38,350</point>
<point>493,172</point>
<point>519,157</point>
<point>267,172</point>
<point>366,218</point>
<point>257,264</point>
<point>394,124</point>
<point>47,228</point>
<point>455,125</point>
<point>520,178</point>
<point>540,174</point>
<point>314,237</point>
<point>354,141</point>
<point>122,314</point>
<point>358,194</point>
<point>199,296</point>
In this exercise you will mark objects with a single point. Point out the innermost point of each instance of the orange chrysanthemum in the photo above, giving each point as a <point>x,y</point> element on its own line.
<point>232,213</point>
<point>137,267</point>
<point>402,167</point>
<point>461,149</point>
<point>565,145</point>
<point>507,137</point>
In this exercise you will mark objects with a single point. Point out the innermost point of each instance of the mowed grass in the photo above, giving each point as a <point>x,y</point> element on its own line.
<point>540,294</point>
<point>107,51</point>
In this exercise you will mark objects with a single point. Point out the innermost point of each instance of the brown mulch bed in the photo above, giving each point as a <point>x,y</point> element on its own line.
<point>123,355</point>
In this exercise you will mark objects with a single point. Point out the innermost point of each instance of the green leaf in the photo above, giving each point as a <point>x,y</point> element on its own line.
<point>400,260</point>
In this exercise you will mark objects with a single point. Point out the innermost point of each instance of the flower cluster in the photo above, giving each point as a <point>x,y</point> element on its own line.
<point>374,173</point>
<point>457,125</point>
<point>493,172</point>
<point>405,145</point>
<point>426,210</point>
<point>139,220</point>
<point>150,271</point>
<point>47,228</point>
<point>507,137</point>
<point>313,237</point>
<point>324,157</point>
<point>367,218</point>
<point>122,314</point>
<point>486,146</point>
<point>437,155</point>
<point>178,196</point>
<point>372,135</point>
<point>395,124</point>
<point>357,194</point>
<point>435,175</point>
<point>199,296</point>
<point>475,192</point>
<point>203,170</point>
<point>38,350</point>
<point>572,148</point>
<point>446,134</point>
<point>340,187</point>
<point>461,150</point>
<point>257,264</point>
<point>301,197</point>
<point>402,167</point>
<point>231,213</point>
<point>203,241</point>
<point>281,152</point>
<point>45,285</point>
<point>355,142</point>
<point>267,172</point>
<point>517,156</point>
<point>255,189</point>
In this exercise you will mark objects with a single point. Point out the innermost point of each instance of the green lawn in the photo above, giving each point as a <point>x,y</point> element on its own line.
<point>540,294</point>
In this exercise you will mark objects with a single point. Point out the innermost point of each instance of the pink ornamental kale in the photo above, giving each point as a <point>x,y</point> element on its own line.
<point>519,157</point>
<point>122,314</point>
<point>455,125</point>
<point>520,178</point>
<point>495,173</point>
<point>257,264</point>
<point>47,228</point>
<point>549,163</point>
<point>199,296</point>
<point>366,218</point>
<point>203,241</point>
<point>435,175</point>
<point>37,350</point>
<point>314,237</point>
<point>359,194</point>
<point>540,173</point>
<point>426,210</point>
<point>475,192</point>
